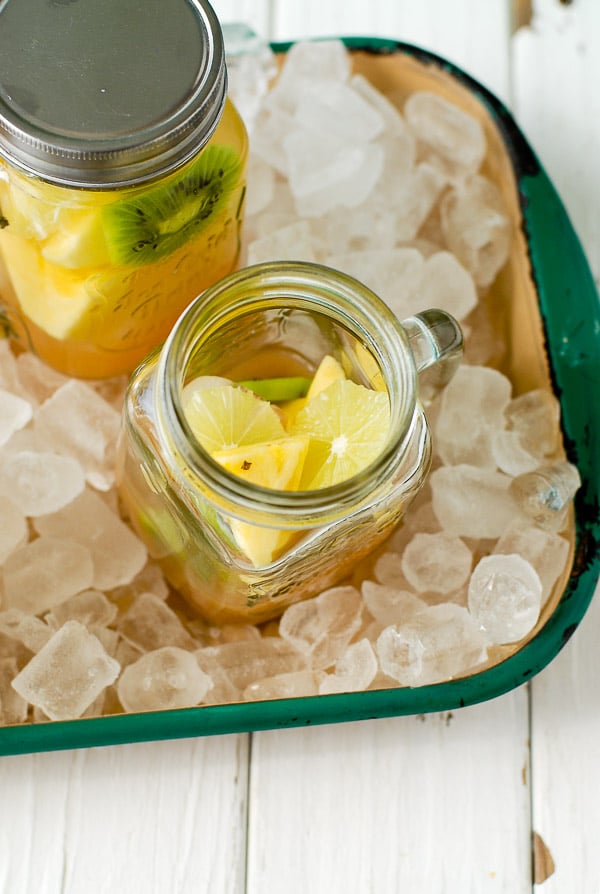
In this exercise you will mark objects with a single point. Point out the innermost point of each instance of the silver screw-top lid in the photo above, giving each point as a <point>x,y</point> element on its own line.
<point>106,93</point>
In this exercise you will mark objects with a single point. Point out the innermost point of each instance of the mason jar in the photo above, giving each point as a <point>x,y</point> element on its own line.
<point>121,175</point>
<point>275,320</point>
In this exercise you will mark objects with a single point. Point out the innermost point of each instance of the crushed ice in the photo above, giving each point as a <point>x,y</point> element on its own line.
<point>342,175</point>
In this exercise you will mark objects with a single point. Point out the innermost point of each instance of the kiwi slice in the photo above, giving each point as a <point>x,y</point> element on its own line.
<point>151,225</point>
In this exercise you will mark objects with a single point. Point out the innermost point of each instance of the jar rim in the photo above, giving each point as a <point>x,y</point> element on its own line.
<point>93,119</point>
<point>293,284</point>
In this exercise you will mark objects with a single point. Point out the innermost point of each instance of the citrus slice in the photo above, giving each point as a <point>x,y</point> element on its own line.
<point>348,425</point>
<point>275,464</point>
<point>225,416</point>
<point>328,371</point>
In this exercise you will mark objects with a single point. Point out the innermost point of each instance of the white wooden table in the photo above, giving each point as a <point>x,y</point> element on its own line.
<point>442,803</point>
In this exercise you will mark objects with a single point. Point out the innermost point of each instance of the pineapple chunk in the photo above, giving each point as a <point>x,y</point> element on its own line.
<point>55,300</point>
<point>275,464</point>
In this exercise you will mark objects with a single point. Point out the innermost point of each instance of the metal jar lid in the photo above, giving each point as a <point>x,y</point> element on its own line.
<point>107,93</point>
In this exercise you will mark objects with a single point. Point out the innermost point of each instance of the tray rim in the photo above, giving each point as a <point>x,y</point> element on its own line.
<point>573,366</point>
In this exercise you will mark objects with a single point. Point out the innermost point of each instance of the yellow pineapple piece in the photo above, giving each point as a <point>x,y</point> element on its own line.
<point>274,464</point>
<point>55,300</point>
<point>328,372</point>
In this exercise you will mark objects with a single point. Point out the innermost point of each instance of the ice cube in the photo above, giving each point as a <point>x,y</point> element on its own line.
<point>438,563</point>
<point>25,628</point>
<point>325,172</point>
<point>321,628</point>
<point>417,200</point>
<point>165,678</point>
<point>545,551</point>
<point>149,580</point>
<point>441,642</point>
<point>291,685</point>
<point>401,189</point>
<point>91,608</point>
<point>505,597</point>
<point>250,660</point>
<point>271,124</point>
<point>394,274</point>
<point>472,502</point>
<point>324,62</point>
<point>13,708</point>
<point>68,674</point>
<point>389,604</point>
<point>91,435</point>
<point>545,494</point>
<point>394,122</point>
<point>388,566</point>
<point>338,110</point>
<point>261,185</point>
<point>117,553</point>
<point>465,428</point>
<point>13,528</point>
<point>290,243</point>
<point>535,417</point>
<point>15,413</point>
<point>446,284</point>
<point>477,228</point>
<point>222,690</point>
<point>38,380</point>
<point>371,226</point>
<point>45,572</point>
<point>150,624</point>
<point>40,483</point>
<point>250,67</point>
<point>354,670</point>
<point>452,133</point>
<point>510,455</point>
<point>237,633</point>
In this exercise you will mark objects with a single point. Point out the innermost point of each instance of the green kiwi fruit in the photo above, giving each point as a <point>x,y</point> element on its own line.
<point>154,223</point>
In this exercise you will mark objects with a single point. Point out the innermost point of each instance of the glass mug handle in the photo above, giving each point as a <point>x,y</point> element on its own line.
<point>436,342</point>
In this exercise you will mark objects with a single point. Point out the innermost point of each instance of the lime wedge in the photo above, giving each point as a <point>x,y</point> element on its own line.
<point>279,389</point>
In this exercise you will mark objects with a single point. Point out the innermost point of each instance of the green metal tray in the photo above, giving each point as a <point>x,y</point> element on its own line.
<point>568,312</point>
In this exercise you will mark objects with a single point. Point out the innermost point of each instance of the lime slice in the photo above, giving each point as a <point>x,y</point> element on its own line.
<point>275,464</point>
<point>225,416</point>
<point>278,389</point>
<point>348,425</point>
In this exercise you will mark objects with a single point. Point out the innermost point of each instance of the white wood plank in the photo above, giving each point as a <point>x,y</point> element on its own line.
<point>470,33</point>
<point>431,803</point>
<point>556,73</point>
<point>565,769</point>
<point>556,76</point>
<point>165,816</point>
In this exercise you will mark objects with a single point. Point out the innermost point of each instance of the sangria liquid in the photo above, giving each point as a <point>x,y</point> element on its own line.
<point>89,290</point>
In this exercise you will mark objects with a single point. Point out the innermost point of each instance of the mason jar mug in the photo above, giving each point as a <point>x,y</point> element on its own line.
<point>121,175</point>
<point>207,526</point>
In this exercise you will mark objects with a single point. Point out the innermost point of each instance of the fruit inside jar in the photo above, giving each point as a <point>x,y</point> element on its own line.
<point>97,278</point>
<point>288,433</point>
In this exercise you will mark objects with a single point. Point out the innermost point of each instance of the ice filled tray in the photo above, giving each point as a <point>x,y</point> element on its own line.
<point>523,329</point>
